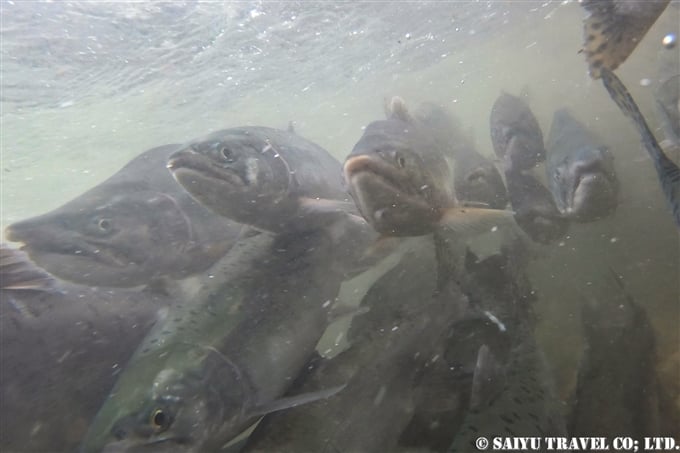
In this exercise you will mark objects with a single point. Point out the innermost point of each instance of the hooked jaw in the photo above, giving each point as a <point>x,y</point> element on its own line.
<point>593,193</point>
<point>593,197</point>
<point>187,164</point>
<point>379,195</point>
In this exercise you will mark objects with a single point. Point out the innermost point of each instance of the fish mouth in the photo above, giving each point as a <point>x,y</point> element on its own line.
<point>189,164</point>
<point>381,196</point>
<point>594,196</point>
<point>87,253</point>
<point>39,244</point>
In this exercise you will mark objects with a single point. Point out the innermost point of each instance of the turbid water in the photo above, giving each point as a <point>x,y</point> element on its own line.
<point>85,87</point>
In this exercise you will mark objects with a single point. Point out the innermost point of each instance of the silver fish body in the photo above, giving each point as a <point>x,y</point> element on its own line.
<point>512,390</point>
<point>523,403</point>
<point>270,179</point>
<point>580,170</point>
<point>137,226</point>
<point>211,369</point>
<point>390,348</point>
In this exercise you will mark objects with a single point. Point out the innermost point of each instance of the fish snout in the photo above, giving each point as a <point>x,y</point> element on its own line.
<point>29,230</point>
<point>356,164</point>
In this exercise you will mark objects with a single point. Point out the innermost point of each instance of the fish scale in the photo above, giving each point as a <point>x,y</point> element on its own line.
<point>238,355</point>
<point>525,404</point>
<point>614,28</point>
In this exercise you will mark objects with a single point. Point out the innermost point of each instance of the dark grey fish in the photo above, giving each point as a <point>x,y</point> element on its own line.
<point>476,179</point>
<point>618,392</point>
<point>535,209</point>
<point>380,368</point>
<point>61,348</point>
<point>515,134</point>
<point>666,169</point>
<point>136,227</point>
<point>401,177</point>
<point>668,106</point>
<point>270,179</point>
<point>512,395</point>
<point>499,293</point>
<point>614,28</point>
<point>580,170</point>
<point>214,366</point>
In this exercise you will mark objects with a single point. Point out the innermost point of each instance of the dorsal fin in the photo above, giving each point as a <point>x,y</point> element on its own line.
<point>396,108</point>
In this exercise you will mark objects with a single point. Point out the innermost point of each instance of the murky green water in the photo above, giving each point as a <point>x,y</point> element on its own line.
<point>86,87</point>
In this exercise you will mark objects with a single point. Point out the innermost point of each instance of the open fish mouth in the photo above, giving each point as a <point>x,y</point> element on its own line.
<point>380,169</point>
<point>39,242</point>
<point>190,165</point>
<point>82,251</point>
<point>594,195</point>
<point>380,197</point>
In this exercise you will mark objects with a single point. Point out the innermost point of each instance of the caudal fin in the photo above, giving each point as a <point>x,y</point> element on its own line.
<point>612,30</point>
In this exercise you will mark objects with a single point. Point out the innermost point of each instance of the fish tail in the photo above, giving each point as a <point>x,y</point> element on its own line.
<point>667,170</point>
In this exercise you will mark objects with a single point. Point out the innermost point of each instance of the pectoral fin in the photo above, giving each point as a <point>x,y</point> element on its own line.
<point>294,401</point>
<point>318,213</point>
<point>474,221</point>
<point>487,381</point>
<point>17,272</point>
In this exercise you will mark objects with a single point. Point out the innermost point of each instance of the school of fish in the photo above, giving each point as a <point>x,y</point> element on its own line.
<point>179,305</point>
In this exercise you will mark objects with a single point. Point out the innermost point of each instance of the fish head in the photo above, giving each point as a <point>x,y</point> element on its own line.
<point>232,172</point>
<point>535,209</point>
<point>98,239</point>
<point>515,133</point>
<point>398,182</point>
<point>182,409</point>
<point>586,186</point>
<point>477,179</point>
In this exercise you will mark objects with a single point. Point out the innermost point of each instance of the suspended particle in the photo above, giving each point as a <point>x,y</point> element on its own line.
<point>669,41</point>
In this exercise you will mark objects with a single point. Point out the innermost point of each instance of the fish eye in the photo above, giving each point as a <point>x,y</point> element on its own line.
<point>104,224</point>
<point>159,420</point>
<point>227,154</point>
<point>477,175</point>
